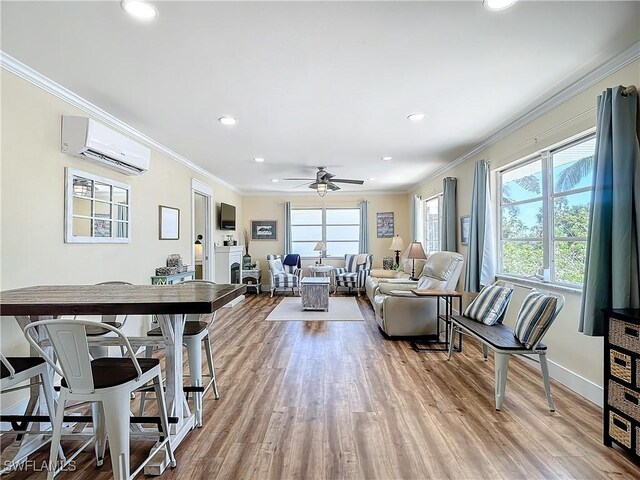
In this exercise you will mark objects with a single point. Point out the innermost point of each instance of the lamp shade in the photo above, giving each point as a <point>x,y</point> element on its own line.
<point>397,243</point>
<point>415,251</point>
<point>320,246</point>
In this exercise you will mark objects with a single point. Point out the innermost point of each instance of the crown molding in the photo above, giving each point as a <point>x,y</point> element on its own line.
<point>364,193</point>
<point>39,80</point>
<point>608,68</point>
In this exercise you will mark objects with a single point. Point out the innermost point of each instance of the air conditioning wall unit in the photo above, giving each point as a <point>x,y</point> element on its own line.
<point>85,138</point>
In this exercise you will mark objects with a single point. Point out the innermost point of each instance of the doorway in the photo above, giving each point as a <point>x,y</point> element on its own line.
<point>201,228</point>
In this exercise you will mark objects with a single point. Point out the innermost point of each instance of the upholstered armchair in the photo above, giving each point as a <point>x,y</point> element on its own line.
<point>354,273</point>
<point>284,272</point>
<point>399,313</point>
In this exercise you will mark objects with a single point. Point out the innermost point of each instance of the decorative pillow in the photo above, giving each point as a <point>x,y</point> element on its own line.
<point>276,266</point>
<point>490,304</point>
<point>535,315</point>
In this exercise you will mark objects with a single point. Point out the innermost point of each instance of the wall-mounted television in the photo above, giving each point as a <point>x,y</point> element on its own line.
<point>227,217</point>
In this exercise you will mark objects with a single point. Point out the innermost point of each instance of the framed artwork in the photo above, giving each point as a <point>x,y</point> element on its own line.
<point>465,227</point>
<point>384,222</point>
<point>264,230</point>
<point>169,223</point>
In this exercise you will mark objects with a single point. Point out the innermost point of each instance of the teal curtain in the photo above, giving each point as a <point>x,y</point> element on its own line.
<point>448,225</point>
<point>288,245</point>
<point>611,268</point>
<point>480,254</point>
<point>364,227</point>
<point>416,210</point>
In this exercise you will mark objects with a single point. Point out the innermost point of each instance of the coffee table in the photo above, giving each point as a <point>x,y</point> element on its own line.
<point>315,293</point>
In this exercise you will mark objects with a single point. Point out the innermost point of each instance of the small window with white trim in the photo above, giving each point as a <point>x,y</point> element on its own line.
<point>431,224</point>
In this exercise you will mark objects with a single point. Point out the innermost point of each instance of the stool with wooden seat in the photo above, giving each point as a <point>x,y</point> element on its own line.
<point>196,336</point>
<point>17,370</point>
<point>107,381</point>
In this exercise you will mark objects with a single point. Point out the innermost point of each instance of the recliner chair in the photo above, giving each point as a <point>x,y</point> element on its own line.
<point>399,313</point>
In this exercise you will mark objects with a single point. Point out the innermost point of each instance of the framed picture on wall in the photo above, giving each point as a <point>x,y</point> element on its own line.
<point>169,223</point>
<point>264,229</point>
<point>465,228</point>
<point>384,223</point>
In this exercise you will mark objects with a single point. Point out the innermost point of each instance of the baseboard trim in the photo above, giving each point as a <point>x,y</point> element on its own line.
<point>580,385</point>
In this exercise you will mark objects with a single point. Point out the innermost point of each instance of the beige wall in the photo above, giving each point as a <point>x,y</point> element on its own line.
<point>33,249</point>
<point>567,348</point>
<point>272,208</point>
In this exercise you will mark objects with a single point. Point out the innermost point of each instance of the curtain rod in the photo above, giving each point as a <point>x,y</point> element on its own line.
<point>631,89</point>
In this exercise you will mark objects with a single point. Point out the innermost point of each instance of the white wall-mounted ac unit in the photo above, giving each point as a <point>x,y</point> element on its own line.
<point>86,138</point>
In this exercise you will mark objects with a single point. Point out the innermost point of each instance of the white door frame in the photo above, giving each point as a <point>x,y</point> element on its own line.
<point>208,258</point>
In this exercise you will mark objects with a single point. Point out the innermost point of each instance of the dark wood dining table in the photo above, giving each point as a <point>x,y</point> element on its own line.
<point>170,305</point>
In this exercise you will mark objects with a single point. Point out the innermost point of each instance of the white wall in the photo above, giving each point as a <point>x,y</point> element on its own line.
<point>575,357</point>
<point>33,251</point>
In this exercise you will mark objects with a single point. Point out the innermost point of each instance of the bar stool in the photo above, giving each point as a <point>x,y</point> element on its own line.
<point>196,336</point>
<point>16,370</point>
<point>108,381</point>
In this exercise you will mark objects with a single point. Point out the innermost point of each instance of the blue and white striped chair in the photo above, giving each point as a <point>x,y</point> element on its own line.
<point>353,274</point>
<point>288,276</point>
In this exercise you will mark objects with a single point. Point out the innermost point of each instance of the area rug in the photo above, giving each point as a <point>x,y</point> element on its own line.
<point>341,309</point>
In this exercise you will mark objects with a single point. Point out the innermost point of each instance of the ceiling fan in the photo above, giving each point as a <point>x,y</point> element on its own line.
<point>325,181</point>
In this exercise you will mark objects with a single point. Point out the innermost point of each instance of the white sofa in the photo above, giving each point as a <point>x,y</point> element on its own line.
<point>401,314</point>
<point>401,275</point>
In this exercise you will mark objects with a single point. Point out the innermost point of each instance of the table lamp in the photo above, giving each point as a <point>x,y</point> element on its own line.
<point>397,245</point>
<point>320,247</point>
<point>415,251</point>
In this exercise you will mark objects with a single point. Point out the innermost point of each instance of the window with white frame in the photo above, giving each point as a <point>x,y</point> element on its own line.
<point>544,214</point>
<point>338,228</point>
<point>431,224</point>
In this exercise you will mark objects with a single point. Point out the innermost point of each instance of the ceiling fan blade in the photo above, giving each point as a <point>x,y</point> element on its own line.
<point>332,187</point>
<point>307,179</point>
<point>346,180</point>
<point>313,185</point>
<point>302,184</point>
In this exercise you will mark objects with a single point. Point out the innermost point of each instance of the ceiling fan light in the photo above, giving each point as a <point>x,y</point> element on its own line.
<point>416,117</point>
<point>321,188</point>
<point>140,9</point>
<point>496,5</point>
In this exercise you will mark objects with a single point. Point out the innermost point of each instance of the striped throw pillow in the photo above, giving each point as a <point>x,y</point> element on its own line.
<point>535,315</point>
<point>490,304</point>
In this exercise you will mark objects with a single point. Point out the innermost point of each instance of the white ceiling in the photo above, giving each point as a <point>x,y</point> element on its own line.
<point>327,83</point>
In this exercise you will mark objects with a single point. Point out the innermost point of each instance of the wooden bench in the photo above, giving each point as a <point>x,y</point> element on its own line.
<point>501,339</point>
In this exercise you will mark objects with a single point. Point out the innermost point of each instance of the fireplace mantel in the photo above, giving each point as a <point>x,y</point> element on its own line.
<point>226,258</point>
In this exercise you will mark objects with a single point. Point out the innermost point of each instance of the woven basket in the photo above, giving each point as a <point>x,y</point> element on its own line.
<point>624,399</point>
<point>620,365</point>
<point>625,335</point>
<point>620,429</point>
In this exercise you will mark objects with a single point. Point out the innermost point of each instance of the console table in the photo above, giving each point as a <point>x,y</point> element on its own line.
<point>171,279</point>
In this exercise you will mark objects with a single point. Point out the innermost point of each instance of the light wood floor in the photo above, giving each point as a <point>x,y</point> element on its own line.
<point>334,400</point>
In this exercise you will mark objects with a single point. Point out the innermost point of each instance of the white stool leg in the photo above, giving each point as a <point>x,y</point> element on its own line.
<point>115,405</point>
<point>55,437</point>
<point>207,350</point>
<point>194,354</point>
<point>47,391</point>
<point>143,395</point>
<point>545,378</point>
<point>501,368</point>
<point>100,432</point>
<point>162,407</point>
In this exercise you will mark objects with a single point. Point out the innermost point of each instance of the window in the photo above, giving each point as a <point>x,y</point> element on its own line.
<point>338,228</point>
<point>432,225</point>
<point>544,214</point>
<point>97,209</point>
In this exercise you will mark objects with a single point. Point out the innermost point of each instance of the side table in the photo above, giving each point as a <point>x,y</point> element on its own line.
<point>448,296</point>
<point>252,278</point>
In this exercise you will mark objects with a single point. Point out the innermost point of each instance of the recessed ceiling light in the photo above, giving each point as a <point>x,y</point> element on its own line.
<point>140,9</point>
<point>258,159</point>
<point>371,178</point>
<point>387,158</point>
<point>495,5</point>
<point>416,117</point>
<point>275,180</point>
<point>228,120</point>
